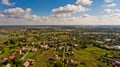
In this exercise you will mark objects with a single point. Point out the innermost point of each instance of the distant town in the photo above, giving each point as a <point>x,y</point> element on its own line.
<point>60,46</point>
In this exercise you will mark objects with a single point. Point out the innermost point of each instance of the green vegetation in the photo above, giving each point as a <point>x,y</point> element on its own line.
<point>58,47</point>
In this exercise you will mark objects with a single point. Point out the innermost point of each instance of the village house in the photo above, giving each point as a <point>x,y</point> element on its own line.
<point>8,65</point>
<point>44,46</point>
<point>109,47</point>
<point>116,47</point>
<point>108,40</point>
<point>18,51</point>
<point>5,59</point>
<point>12,57</point>
<point>71,62</point>
<point>70,53</point>
<point>24,40</point>
<point>55,57</point>
<point>99,42</point>
<point>74,38</point>
<point>75,45</point>
<point>34,49</point>
<point>117,64</point>
<point>26,64</point>
<point>67,48</point>
<point>31,61</point>
<point>59,48</point>
<point>33,43</point>
<point>23,48</point>
<point>26,47</point>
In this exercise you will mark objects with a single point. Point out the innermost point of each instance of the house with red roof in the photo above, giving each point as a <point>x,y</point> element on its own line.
<point>11,57</point>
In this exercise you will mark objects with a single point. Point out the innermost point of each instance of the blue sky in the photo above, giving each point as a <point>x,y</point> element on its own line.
<point>61,12</point>
<point>40,7</point>
<point>44,7</point>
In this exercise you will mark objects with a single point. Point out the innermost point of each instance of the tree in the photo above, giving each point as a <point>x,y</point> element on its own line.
<point>58,64</point>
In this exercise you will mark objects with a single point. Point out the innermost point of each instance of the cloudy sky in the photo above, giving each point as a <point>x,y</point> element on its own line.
<point>59,12</point>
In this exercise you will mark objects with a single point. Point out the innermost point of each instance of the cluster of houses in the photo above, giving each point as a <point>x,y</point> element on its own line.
<point>20,52</point>
<point>106,43</point>
<point>44,47</point>
<point>5,60</point>
<point>67,50</point>
<point>28,62</point>
<point>55,57</point>
<point>71,62</point>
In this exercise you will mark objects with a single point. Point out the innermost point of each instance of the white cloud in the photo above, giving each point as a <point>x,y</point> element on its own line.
<point>84,2</point>
<point>86,19</point>
<point>111,5</point>
<point>2,15</point>
<point>111,19</point>
<point>117,10</point>
<point>108,11</point>
<point>68,10</point>
<point>86,15</point>
<point>17,12</point>
<point>21,14</point>
<point>60,16</point>
<point>108,1</point>
<point>6,2</point>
